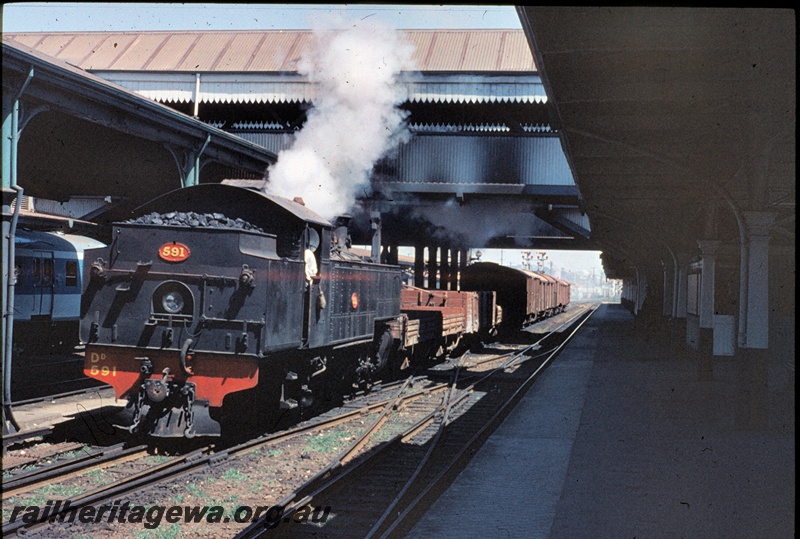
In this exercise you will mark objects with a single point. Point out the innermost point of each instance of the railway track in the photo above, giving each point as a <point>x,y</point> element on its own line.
<point>428,417</point>
<point>200,459</point>
<point>384,494</point>
<point>76,417</point>
<point>92,387</point>
<point>25,436</point>
<point>41,377</point>
<point>29,480</point>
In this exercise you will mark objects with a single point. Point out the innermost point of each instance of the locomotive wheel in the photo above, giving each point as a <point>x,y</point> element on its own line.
<point>384,349</point>
<point>364,372</point>
<point>307,399</point>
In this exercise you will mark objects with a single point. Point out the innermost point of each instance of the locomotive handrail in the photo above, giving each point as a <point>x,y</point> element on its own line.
<point>205,276</point>
<point>204,318</point>
<point>155,318</point>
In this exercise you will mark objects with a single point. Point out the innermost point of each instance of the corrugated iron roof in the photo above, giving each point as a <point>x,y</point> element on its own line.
<point>463,66</point>
<point>268,50</point>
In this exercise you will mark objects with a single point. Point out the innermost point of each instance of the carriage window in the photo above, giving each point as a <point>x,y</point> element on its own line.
<point>48,271</point>
<point>37,270</point>
<point>72,273</point>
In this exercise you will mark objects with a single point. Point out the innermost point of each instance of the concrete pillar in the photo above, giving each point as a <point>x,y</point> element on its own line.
<point>708,260</point>
<point>389,255</point>
<point>669,291</point>
<point>682,283</point>
<point>679,287</point>
<point>752,355</point>
<point>444,281</point>
<point>375,224</point>
<point>454,265</point>
<point>433,267</point>
<point>642,289</point>
<point>419,266</point>
<point>463,261</point>
<point>757,324</point>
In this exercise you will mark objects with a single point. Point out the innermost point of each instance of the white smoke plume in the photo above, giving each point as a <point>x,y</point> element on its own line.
<point>355,119</point>
<point>478,222</point>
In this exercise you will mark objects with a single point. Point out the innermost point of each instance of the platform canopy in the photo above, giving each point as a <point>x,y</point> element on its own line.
<point>79,134</point>
<point>675,121</point>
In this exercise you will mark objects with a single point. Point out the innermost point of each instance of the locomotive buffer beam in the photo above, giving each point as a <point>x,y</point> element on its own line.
<point>168,409</point>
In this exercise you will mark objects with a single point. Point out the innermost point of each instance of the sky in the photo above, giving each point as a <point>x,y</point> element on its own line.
<point>87,17</point>
<point>65,17</point>
<point>581,261</point>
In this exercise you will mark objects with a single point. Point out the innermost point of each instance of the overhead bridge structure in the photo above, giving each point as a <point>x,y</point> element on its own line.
<point>478,115</point>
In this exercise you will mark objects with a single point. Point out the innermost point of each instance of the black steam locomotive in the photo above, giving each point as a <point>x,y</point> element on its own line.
<point>206,295</point>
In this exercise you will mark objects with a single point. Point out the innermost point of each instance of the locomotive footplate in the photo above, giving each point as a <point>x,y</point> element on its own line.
<point>169,410</point>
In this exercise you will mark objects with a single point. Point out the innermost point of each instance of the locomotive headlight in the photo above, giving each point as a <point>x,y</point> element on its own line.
<point>173,298</point>
<point>172,302</point>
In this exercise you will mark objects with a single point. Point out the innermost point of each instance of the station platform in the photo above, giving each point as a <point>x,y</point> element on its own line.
<point>622,437</point>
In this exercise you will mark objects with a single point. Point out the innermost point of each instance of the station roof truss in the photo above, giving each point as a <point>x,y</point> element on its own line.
<point>675,122</point>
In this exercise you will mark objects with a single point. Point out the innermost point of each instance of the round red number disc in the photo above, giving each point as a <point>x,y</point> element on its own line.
<point>173,252</point>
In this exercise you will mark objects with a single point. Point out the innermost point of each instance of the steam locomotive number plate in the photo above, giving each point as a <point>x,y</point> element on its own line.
<point>173,252</point>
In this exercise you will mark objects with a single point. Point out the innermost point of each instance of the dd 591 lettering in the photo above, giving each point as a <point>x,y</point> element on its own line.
<point>96,368</point>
